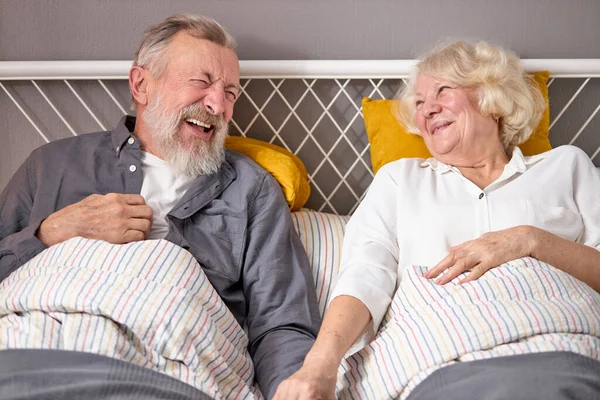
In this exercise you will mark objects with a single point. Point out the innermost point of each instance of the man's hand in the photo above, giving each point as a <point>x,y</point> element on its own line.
<point>308,383</point>
<point>484,253</point>
<point>114,218</point>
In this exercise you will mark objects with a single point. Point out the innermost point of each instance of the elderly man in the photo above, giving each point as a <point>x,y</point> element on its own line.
<point>165,174</point>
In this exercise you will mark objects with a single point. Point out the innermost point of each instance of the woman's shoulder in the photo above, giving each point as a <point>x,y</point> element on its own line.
<point>563,155</point>
<point>564,151</point>
<point>403,166</point>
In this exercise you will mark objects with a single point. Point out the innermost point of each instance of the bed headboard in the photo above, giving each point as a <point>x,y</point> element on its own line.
<point>310,107</point>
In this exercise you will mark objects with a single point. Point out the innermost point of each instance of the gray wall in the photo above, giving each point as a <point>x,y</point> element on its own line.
<point>288,29</point>
<point>303,29</point>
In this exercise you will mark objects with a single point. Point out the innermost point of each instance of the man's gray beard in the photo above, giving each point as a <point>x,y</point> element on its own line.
<point>189,159</point>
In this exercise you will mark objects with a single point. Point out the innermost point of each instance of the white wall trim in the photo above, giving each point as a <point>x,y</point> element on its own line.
<point>277,69</point>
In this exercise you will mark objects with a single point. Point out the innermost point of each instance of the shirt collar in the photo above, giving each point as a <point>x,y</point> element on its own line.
<point>436,165</point>
<point>518,162</point>
<point>122,132</point>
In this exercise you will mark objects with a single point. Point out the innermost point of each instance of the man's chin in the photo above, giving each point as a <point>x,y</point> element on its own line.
<point>196,133</point>
<point>196,163</point>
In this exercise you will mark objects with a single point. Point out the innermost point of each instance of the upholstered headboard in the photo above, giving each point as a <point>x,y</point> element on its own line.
<point>310,107</point>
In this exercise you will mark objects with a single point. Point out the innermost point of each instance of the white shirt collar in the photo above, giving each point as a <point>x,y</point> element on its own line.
<point>518,163</point>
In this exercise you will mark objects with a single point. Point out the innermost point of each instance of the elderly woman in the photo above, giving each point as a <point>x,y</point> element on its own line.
<point>477,204</point>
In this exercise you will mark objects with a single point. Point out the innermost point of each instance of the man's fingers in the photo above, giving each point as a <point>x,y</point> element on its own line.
<point>124,198</point>
<point>133,199</point>
<point>139,211</point>
<point>132,236</point>
<point>139,224</point>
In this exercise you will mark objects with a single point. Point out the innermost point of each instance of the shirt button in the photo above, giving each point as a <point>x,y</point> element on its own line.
<point>131,140</point>
<point>480,196</point>
<point>132,168</point>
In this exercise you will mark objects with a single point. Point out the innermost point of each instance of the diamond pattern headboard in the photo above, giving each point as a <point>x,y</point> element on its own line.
<point>311,108</point>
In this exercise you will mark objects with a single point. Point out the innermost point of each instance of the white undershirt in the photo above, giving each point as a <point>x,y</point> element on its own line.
<point>416,209</point>
<point>162,190</point>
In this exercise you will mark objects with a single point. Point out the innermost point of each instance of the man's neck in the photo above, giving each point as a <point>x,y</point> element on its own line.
<point>146,143</point>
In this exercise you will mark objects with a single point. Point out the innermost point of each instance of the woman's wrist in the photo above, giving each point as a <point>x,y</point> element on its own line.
<point>533,238</point>
<point>322,362</point>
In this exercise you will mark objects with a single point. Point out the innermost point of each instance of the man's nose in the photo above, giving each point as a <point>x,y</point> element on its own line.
<point>214,102</point>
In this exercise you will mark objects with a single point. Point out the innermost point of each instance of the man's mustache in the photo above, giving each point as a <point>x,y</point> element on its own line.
<point>197,111</point>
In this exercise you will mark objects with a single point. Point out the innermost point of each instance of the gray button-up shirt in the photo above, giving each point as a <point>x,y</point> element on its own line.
<point>235,222</point>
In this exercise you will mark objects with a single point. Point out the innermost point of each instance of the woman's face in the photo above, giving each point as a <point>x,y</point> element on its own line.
<point>450,122</point>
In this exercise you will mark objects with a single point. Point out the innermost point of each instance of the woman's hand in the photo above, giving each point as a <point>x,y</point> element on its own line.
<point>346,318</point>
<point>484,253</point>
<point>309,383</point>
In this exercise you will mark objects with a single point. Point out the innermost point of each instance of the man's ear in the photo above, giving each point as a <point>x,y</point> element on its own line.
<point>138,84</point>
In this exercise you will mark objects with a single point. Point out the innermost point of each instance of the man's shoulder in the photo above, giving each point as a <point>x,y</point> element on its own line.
<point>244,165</point>
<point>80,144</point>
<point>251,177</point>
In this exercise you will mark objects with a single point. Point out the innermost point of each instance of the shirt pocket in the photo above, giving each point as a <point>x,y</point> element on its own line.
<point>217,241</point>
<point>560,221</point>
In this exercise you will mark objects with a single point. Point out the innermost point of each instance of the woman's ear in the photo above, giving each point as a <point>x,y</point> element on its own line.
<point>138,84</point>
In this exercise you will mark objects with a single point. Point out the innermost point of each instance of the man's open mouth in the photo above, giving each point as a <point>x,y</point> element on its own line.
<point>203,125</point>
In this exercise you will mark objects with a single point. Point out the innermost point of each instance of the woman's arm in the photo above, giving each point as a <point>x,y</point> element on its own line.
<point>365,285</point>
<point>494,248</point>
<point>580,259</point>
<point>345,320</point>
<point>576,259</point>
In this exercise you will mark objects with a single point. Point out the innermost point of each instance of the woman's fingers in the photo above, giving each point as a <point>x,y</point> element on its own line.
<point>440,267</point>
<point>461,265</point>
<point>476,272</point>
<point>454,264</point>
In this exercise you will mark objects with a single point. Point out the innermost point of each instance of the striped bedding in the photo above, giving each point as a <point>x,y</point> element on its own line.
<point>148,303</point>
<point>524,306</point>
<point>322,235</point>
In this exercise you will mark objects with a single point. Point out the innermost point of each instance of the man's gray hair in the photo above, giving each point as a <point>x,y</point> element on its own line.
<point>151,53</point>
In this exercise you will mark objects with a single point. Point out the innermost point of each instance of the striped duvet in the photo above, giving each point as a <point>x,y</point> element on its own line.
<point>148,303</point>
<point>524,306</point>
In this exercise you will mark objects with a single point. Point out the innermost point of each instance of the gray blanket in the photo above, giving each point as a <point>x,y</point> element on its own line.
<point>543,376</point>
<point>69,375</point>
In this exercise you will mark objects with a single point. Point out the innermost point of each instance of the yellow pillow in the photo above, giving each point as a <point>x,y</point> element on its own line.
<point>390,141</point>
<point>285,167</point>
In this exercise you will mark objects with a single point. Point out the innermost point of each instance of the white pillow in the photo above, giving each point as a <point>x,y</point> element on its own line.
<point>322,235</point>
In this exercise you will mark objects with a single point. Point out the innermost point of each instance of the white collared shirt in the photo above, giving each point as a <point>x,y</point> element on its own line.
<point>416,209</point>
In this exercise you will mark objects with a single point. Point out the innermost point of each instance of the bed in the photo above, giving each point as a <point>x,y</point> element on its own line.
<point>311,108</point>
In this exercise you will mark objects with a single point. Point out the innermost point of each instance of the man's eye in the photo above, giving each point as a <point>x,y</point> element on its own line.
<point>202,82</point>
<point>418,103</point>
<point>231,96</point>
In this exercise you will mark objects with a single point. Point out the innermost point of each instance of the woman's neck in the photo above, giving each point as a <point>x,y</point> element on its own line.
<point>485,171</point>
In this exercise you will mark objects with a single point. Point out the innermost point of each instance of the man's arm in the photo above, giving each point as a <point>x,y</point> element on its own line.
<point>114,217</point>
<point>18,242</point>
<point>282,314</point>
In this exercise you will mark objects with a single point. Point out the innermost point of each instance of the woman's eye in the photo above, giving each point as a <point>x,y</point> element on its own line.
<point>442,88</point>
<point>418,103</point>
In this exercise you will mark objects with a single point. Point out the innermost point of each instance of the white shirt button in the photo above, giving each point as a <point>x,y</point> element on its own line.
<point>132,168</point>
<point>131,140</point>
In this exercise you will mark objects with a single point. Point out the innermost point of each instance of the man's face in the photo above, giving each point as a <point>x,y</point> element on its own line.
<point>191,103</point>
